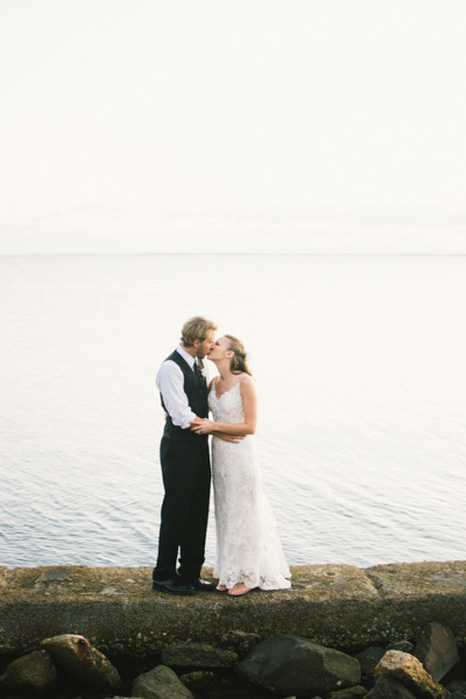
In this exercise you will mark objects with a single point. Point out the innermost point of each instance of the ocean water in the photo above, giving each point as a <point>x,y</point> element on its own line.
<point>360,370</point>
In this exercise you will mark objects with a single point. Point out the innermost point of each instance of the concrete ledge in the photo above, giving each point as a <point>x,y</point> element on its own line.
<point>337,605</point>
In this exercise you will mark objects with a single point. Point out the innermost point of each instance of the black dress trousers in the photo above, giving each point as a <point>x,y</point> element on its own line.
<point>185,508</point>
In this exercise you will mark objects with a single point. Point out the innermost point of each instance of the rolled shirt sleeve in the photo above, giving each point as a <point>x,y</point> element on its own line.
<point>170,382</point>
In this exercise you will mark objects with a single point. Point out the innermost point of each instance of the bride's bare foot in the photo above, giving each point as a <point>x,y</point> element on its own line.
<point>222,588</point>
<point>239,589</point>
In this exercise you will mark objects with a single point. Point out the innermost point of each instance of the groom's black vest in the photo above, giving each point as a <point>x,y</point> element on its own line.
<point>195,388</point>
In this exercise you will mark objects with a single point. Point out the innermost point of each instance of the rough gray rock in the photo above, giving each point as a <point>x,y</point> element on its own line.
<point>436,649</point>
<point>160,683</point>
<point>409,671</point>
<point>35,672</point>
<point>293,665</point>
<point>197,655</point>
<point>75,657</point>
<point>388,688</point>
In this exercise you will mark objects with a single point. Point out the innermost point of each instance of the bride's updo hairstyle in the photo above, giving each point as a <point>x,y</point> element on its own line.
<point>239,364</point>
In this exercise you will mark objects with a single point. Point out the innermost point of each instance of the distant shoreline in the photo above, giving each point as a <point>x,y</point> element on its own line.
<point>236,254</point>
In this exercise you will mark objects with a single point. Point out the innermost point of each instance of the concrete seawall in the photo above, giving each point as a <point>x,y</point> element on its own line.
<point>337,605</point>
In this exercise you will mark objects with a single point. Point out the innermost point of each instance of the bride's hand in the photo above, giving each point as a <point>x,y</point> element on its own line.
<point>203,426</point>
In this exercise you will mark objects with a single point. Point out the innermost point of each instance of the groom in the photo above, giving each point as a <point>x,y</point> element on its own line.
<point>184,457</point>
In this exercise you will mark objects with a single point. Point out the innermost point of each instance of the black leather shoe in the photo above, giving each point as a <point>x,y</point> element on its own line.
<point>173,586</point>
<point>200,585</point>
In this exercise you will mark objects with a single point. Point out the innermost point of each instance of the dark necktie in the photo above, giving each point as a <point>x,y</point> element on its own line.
<point>198,366</point>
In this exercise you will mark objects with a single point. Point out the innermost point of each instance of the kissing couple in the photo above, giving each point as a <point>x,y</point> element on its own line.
<point>249,552</point>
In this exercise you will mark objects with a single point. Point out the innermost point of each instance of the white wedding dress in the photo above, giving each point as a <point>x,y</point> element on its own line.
<point>248,547</point>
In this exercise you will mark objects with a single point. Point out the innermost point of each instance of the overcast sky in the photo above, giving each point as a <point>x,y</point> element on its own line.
<point>233,125</point>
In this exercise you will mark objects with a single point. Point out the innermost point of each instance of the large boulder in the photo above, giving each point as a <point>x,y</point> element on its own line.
<point>35,672</point>
<point>76,658</point>
<point>295,665</point>
<point>436,649</point>
<point>409,671</point>
<point>160,683</point>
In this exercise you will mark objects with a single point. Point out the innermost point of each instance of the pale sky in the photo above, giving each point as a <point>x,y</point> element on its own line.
<point>233,126</point>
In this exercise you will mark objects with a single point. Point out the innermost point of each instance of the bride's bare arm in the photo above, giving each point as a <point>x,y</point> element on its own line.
<point>234,438</point>
<point>227,437</point>
<point>240,429</point>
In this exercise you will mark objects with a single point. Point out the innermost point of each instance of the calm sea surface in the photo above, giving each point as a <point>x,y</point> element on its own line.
<point>360,368</point>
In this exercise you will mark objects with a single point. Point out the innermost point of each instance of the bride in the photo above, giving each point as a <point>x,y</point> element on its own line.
<point>249,553</point>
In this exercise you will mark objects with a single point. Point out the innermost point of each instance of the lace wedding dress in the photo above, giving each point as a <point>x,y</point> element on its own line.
<point>248,547</point>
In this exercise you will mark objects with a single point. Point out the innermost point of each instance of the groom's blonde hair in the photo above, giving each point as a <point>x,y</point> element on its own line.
<point>196,328</point>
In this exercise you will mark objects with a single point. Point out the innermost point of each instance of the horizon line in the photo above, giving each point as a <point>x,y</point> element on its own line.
<point>258,254</point>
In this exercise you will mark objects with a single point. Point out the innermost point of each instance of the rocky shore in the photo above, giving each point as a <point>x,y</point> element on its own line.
<point>388,631</point>
<point>241,665</point>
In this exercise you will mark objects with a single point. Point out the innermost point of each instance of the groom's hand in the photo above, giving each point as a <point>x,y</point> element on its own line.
<point>202,425</point>
<point>199,425</point>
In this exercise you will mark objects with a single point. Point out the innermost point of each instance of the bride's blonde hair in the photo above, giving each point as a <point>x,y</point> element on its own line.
<point>239,364</point>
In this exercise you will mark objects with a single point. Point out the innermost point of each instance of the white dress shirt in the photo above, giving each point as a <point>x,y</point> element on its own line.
<point>170,382</point>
